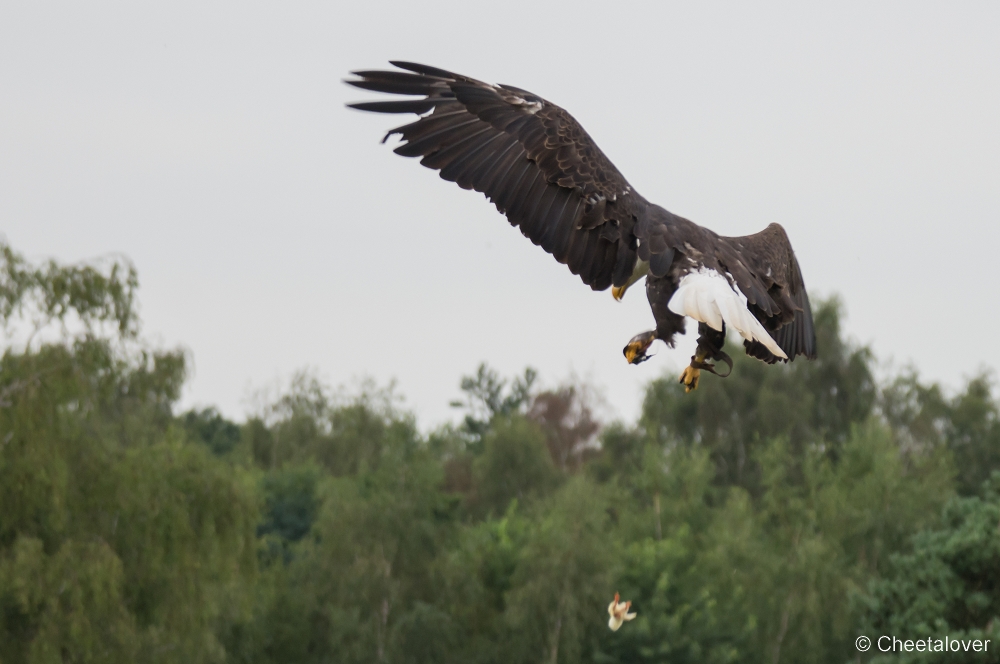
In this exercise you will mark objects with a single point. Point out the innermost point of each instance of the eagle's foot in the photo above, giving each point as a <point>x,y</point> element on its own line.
<point>689,378</point>
<point>692,372</point>
<point>635,350</point>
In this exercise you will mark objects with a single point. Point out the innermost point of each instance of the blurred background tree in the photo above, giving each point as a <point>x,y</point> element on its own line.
<point>768,517</point>
<point>119,540</point>
<point>946,583</point>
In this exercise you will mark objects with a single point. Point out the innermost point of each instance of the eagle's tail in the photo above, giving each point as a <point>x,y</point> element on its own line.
<point>706,296</point>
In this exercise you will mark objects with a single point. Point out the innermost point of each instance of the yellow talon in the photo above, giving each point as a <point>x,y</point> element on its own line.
<point>689,378</point>
<point>691,374</point>
<point>635,350</point>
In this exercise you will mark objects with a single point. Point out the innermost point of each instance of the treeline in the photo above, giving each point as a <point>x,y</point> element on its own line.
<point>772,516</point>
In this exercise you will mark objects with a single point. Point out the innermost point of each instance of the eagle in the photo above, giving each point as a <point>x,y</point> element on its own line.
<point>541,170</point>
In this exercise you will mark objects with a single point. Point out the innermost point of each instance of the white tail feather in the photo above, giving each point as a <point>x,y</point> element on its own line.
<point>707,297</point>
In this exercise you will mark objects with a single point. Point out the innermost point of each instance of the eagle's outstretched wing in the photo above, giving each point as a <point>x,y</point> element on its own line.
<point>529,156</point>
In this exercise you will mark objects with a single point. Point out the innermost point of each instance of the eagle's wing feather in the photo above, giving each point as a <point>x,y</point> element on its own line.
<point>766,262</point>
<point>529,156</point>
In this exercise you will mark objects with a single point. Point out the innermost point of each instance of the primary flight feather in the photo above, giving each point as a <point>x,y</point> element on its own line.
<point>544,172</point>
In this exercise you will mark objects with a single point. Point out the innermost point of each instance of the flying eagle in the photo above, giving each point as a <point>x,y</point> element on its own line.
<point>544,172</point>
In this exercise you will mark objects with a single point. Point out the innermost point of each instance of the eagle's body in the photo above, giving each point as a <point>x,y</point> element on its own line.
<point>541,169</point>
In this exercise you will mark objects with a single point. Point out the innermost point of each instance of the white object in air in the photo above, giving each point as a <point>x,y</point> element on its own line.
<point>619,613</point>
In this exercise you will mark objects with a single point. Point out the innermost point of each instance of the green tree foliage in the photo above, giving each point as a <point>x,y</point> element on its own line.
<point>968,424</point>
<point>515,464</point>
<point>349,592</point>
<point>290,507</point>
<point>210,428</point>
<point>487,397</point>
<point>564,572</point>
<point>948,584</point>
<point>344,434</point>
<point>94,295</point>
<point>738,579</point>
<point>768,517</point>
<point>119,541</point>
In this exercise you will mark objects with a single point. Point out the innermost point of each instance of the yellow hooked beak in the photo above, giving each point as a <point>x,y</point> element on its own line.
<point>618,292</point>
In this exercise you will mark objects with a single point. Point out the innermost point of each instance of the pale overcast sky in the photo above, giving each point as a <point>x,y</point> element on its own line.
<point>209,143</point>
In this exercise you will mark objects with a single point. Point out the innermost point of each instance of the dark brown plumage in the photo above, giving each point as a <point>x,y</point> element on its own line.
<point>544,172</point>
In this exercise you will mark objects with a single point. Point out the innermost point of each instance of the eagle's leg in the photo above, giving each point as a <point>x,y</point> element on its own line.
<point>710,344</point>
<point>635,349</point>
<point>691,374</point>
